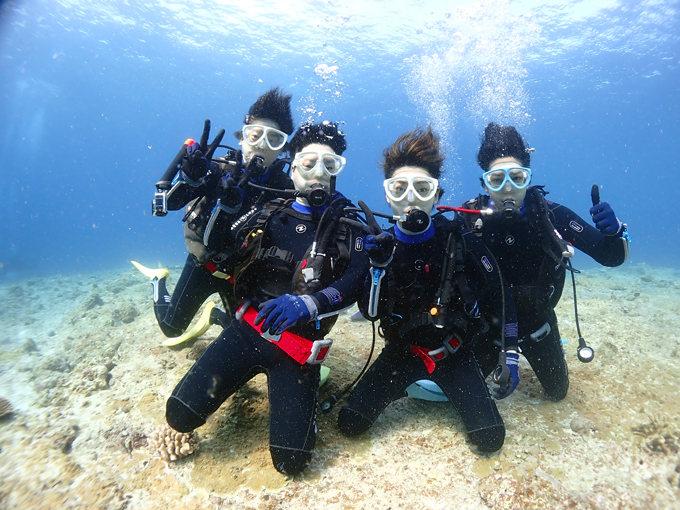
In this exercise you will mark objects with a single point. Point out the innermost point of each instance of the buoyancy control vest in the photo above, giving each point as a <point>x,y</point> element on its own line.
<point>203,221</point>
<point>552,269</point>
<point>199,210</point>
<point>453,304</point>
<point>323,263</point>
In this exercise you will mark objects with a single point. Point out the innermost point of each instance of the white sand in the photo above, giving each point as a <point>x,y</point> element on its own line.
<point>91,384</point>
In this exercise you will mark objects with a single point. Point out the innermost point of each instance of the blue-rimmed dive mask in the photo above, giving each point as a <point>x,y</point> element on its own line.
<point>496,178</point>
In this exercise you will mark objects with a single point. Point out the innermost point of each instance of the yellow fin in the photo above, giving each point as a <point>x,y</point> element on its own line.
<point>151,273</point>
<point>324,375</point>
<point>197,330</point>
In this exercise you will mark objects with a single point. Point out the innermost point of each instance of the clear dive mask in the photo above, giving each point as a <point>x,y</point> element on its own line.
<point>253,134</point>
<point>308,162</point>
<point>496,178</point>
<point>400,188</point>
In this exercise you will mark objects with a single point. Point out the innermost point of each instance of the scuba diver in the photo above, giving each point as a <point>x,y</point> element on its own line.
<point>533,239</point>
<point>295,266</point>
<point>433,286</point>
<point>217,191</point>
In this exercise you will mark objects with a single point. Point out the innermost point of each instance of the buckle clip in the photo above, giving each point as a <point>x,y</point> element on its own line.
<point>438,354</point>
<point>452,344</point>
<point>275,252</point>
<point>541,333</point>
<point>319,351</point>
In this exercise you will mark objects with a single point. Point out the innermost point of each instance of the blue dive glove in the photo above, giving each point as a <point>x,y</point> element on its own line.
<point>380,247</point>
<point>284,311</point>
<point>512,362</point>
<point>605,219</point>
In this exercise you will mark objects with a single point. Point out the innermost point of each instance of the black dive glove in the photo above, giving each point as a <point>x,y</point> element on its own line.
<point>378,244</point>
<point>254,170</point>
<point>196,163</point>
<point>229,192</point>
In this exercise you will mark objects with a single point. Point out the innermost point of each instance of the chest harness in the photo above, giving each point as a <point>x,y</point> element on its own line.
<point>556,249</point>
<point>211,218</point>
<point>325,260</point>
<point>453,286</point>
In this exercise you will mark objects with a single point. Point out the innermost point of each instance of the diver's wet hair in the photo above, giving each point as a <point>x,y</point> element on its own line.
<point>273,105</point>
<point>501,142</point>
<point>419,147</point>
<point>326,133</point>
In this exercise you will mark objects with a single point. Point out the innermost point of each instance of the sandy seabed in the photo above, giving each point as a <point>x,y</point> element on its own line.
<point>83,365</point>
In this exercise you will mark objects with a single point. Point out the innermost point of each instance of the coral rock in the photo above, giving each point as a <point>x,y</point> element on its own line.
<point>582,426</point>
<point>126,314</point>
<point>5,407</point>
<point>92,301</point>
<point>172,445</point>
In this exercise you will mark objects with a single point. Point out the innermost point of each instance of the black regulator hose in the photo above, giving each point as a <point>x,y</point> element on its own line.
<point>327,405</point>
<point>584,353</point>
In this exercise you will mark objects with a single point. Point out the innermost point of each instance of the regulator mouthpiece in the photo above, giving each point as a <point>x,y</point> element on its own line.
<point>416,221</point>
<point>509,210</point>
<point>317,196</point>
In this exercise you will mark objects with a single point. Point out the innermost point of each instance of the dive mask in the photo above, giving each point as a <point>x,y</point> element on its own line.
<point>406,186</point>
<point>308,162</point>
<point>253,134</point>
<point>496,178</point>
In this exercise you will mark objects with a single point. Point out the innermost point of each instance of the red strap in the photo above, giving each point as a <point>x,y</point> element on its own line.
<point>297,347</point>
<point>444,208</point>
<point>423,354</point>
<point>212,267</point>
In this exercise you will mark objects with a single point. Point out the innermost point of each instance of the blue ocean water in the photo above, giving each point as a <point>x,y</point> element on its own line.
<point>98,96</point>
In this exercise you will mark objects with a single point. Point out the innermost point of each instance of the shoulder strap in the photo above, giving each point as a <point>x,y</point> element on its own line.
<point>551,241</point>
<point>269,209</point>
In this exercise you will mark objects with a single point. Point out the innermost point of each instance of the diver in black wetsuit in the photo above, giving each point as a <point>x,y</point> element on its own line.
<point>433,286</point>
<point>297,264</point>
<point>217,193</point>
<point>520,233</point>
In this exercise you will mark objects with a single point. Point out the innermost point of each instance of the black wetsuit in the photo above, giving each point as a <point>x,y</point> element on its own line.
<point>204,273</point>
<point>409,288</point>
<point>239,353</point>
<point>537,280</point>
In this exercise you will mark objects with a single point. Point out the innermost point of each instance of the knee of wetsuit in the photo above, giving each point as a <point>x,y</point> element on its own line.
<point>558,394</point>
<point>170,331</point>
<point>289,461</point>
<point>352,423</point>
<point>181,417</point>
<point>488,440</point>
